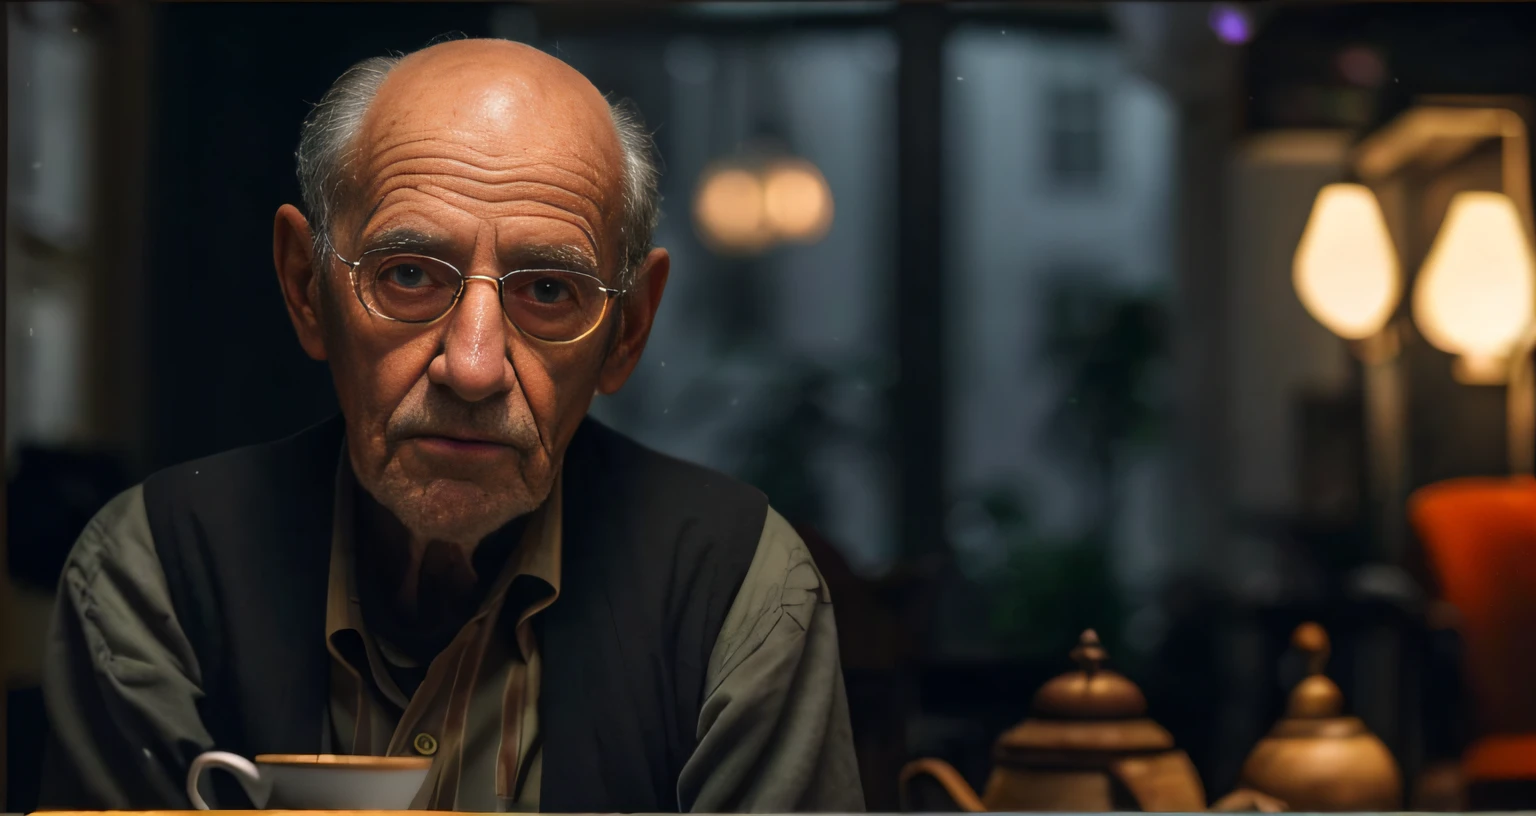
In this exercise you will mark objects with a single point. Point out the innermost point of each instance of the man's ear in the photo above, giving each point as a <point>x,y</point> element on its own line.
<point>639,307</point>
<point>299,276</point>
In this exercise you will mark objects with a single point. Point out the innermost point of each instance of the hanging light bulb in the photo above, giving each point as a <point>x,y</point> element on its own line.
<point>1476,294</point>
<point>1346,271</point>
<point>744,207</point>
<point>728,210</point>
<point>797,201</point>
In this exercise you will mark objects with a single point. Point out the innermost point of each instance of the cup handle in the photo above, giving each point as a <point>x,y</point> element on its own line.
<point>243,769</point>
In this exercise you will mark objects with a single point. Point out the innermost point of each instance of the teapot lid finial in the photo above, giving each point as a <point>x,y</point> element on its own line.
<point>1316,696</point>
<point>1089,654</point>
<point>1312,640</point>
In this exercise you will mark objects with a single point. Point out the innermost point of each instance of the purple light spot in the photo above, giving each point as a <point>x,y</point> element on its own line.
<point>1231,24</point>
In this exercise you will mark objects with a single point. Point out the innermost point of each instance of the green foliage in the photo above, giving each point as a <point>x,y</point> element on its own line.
<point>779,453</point>
<point>1048,589</point>
<point>1107,347</point>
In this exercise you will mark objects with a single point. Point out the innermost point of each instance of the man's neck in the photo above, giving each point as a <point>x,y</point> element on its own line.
<point>425,582</point>
<point>402,565</point>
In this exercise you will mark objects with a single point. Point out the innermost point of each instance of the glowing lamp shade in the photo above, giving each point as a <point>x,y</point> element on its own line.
<point>729,210</point>
<point>797,201</point>
<point>1346,271</point>
<point>744,206</point>
<point>1476,292</point>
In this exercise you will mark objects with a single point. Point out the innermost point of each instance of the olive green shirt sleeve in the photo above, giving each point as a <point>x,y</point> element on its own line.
<point>774,733</point>
<point>120,680</point>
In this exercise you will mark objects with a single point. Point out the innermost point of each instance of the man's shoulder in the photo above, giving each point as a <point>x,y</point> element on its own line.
<point>615,455</point>
<point>626,502</point>
<point>225,489</point>
<point>118,532</point>
<point>272,465</point>
<point>246,512</point>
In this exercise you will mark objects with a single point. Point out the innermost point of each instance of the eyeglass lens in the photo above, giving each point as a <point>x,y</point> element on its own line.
<point>549,304</point>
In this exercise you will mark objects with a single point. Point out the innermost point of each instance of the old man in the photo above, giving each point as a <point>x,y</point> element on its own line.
<point>462,565</point>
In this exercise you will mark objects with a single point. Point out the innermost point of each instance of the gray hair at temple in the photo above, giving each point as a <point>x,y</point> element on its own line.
<point>327,146</point>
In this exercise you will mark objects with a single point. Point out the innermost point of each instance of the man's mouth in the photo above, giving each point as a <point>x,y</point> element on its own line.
<point>459,445</point>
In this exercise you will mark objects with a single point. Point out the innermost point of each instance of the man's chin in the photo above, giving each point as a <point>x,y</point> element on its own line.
<point>460,511</point>
<point>429,459</point>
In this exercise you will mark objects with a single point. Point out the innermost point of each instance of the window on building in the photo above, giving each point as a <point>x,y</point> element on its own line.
<point>52,53</point>
<point>1075,142</point>
<point>1055,450</point>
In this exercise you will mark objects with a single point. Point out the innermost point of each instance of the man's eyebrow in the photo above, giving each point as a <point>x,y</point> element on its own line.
<point>566,257</point>
<point>551,256</point>
<point>404,238</point>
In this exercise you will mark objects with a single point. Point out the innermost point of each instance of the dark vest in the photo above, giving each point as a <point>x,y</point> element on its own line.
<point>654,551</point>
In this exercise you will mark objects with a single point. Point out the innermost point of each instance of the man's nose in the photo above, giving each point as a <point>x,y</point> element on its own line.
<point>474,361</point>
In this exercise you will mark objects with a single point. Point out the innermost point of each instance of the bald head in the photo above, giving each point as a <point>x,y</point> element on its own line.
<point>502,77</point>
<point>493,97</point>
<point>480,100</point>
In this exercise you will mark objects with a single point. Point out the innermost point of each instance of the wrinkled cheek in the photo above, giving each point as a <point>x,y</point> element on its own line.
<point>557,385</point>
<point>358,393</point>
<point>371,381</point>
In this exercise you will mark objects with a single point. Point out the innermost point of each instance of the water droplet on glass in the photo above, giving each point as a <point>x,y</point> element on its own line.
<point>29,331</point>
<point>959,79</point>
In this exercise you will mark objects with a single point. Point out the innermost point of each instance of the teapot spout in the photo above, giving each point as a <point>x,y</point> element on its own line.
<point>934,786</point>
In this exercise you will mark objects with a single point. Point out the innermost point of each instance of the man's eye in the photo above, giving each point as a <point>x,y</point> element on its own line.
<point>549,290</point>
<point>409,276</point>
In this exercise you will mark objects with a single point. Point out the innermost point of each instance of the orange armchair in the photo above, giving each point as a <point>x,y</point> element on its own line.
<point>1480,538</point>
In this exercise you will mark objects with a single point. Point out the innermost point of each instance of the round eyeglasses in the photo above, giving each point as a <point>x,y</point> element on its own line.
<point>552,305</point>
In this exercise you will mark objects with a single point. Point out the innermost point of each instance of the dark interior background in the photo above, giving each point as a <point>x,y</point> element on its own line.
<point>873,383</point>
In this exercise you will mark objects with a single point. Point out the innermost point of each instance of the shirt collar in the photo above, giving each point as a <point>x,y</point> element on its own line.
<point>537,556</point>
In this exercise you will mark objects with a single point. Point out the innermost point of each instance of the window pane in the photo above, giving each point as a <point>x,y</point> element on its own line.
<point>770,365</point>
<point>1057,161</point>
<point>50,97</point>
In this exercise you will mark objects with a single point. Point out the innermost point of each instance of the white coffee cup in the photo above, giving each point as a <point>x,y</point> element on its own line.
<point>317,781</point>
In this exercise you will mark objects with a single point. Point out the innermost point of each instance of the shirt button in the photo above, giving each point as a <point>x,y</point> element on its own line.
<point>425,744</point>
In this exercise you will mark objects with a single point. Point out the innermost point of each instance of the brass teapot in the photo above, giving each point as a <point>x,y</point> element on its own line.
<point>1316,759</point>
<point>1088,746</point>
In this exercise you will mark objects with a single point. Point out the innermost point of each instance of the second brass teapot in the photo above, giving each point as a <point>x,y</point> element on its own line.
<point>1087,746</point>
<point>1316,759</point>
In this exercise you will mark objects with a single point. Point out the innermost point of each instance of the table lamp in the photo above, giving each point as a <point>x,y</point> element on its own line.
<point>1476,292</point>
<point>1346,270</point>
